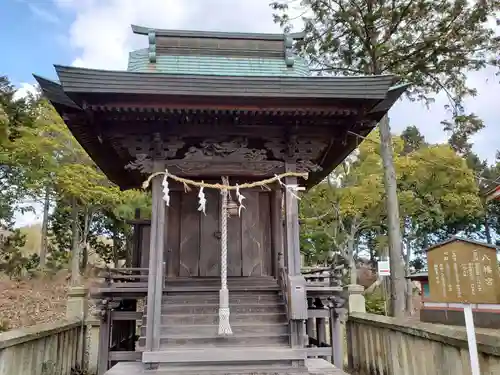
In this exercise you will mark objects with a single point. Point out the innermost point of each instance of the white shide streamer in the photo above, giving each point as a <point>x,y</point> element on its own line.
<point>166,190</point>
<point>202,201</point>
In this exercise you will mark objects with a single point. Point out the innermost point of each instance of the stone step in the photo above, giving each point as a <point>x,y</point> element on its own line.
<point>214,341</point>
<point>230,356</point>
<point>264,318</point>
<point>214,308</point>
<point>201,287</point>
<point>211,330</point>
<point>266,368</point>
<point>216,279</point>
<point>217,282</point>
<point>213,298</point>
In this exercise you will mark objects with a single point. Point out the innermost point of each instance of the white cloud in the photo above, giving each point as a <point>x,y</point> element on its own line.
<point>101,38</point>
<point>485,105</point>
<point>43,14</point>
<point>24,90</point>
<point>101,35</point>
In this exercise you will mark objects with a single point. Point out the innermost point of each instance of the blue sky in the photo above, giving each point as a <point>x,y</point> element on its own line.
<point>35,34</point>
<point>32,37</point>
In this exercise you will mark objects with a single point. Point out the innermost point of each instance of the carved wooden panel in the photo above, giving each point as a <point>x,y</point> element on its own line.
<point>210,236</point>
<point>224,168</point>
<point>190,236</point>
<point>142,144</point>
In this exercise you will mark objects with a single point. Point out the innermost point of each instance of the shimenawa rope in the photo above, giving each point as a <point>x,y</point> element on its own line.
<point>187,182</point>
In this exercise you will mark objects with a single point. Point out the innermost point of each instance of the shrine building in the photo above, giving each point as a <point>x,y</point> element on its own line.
<point>225,127</point>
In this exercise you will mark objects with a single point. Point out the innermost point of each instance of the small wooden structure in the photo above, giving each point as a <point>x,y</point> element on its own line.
<point>462,271</point>
<point>204,105</point>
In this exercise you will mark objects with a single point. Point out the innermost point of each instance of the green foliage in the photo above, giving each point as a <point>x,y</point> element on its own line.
<point>14,115</point>
<point>12,260</point>
<point>44,156</point>
<point>430,44</point>
<point>375,303</point>
<point>412,139</point>
<point>437,192</point>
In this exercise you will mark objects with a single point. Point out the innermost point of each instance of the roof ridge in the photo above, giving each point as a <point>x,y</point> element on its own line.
<point>143,30</point>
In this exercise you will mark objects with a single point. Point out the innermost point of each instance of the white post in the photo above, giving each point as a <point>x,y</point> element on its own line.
<point>471,338</point>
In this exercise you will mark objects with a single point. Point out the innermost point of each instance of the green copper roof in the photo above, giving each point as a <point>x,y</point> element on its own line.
<point>216,65</point>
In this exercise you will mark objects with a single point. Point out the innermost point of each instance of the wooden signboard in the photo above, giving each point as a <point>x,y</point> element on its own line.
<point>462,271</point>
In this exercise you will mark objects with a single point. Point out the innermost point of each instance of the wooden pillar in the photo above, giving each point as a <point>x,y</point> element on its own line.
<point>292,252</point>
<point>276,230</point>
<point>104,338</point>
<point>310,324</point>
<point>292,226</point>
<point>337,337</point>
<point>321,332</point>
<point>155,279</point>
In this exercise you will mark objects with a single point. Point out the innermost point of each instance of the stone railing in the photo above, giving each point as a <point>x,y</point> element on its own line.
<point>385,346</point>
<point>43,349</point>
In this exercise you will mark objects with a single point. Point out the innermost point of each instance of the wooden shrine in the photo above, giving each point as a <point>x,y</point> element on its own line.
<point>214,108</point>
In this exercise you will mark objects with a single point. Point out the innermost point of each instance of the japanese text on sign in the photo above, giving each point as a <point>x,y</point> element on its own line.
<point>463,272</point>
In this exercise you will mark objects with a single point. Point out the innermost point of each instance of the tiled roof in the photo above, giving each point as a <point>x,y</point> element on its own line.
<point>104,81</point>
<point>216,65</point>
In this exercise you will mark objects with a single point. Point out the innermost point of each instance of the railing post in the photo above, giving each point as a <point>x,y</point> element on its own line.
<point>337,333</point>
<point>104,338</point>
<point>356,299</point>
<point>92,353</point>
<point>309,323</point>
<point>355,303</point>
<point>78,307</point>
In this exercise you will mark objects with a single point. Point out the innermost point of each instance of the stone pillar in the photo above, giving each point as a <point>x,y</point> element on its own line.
<point>355,304</point>
<point>77,305</point>
<point>355,298</point>
<point>92,348</point>
<point>77,308</point>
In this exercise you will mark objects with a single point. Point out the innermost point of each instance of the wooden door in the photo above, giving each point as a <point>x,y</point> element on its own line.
<point>192,244</point>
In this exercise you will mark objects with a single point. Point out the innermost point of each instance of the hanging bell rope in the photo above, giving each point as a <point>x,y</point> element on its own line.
<point>224,324</point>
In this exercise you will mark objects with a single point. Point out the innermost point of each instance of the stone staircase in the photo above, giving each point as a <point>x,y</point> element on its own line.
<point>189,343</point>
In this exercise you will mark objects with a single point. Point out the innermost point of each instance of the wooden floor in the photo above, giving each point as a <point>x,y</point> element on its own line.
<point>314,367</point>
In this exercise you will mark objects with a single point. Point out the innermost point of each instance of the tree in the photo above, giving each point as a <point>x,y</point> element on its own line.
<point>430,44</point>
<point>338,210</point>
<point>12,260</point>
<point>487,177</point>
<point>413,139</point>
<point>437,193</point>
<point>58,170</point>
<point>14,114</point>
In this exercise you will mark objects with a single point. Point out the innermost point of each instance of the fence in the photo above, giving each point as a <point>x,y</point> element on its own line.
<point>43,349</point>
<point>385,346</point>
